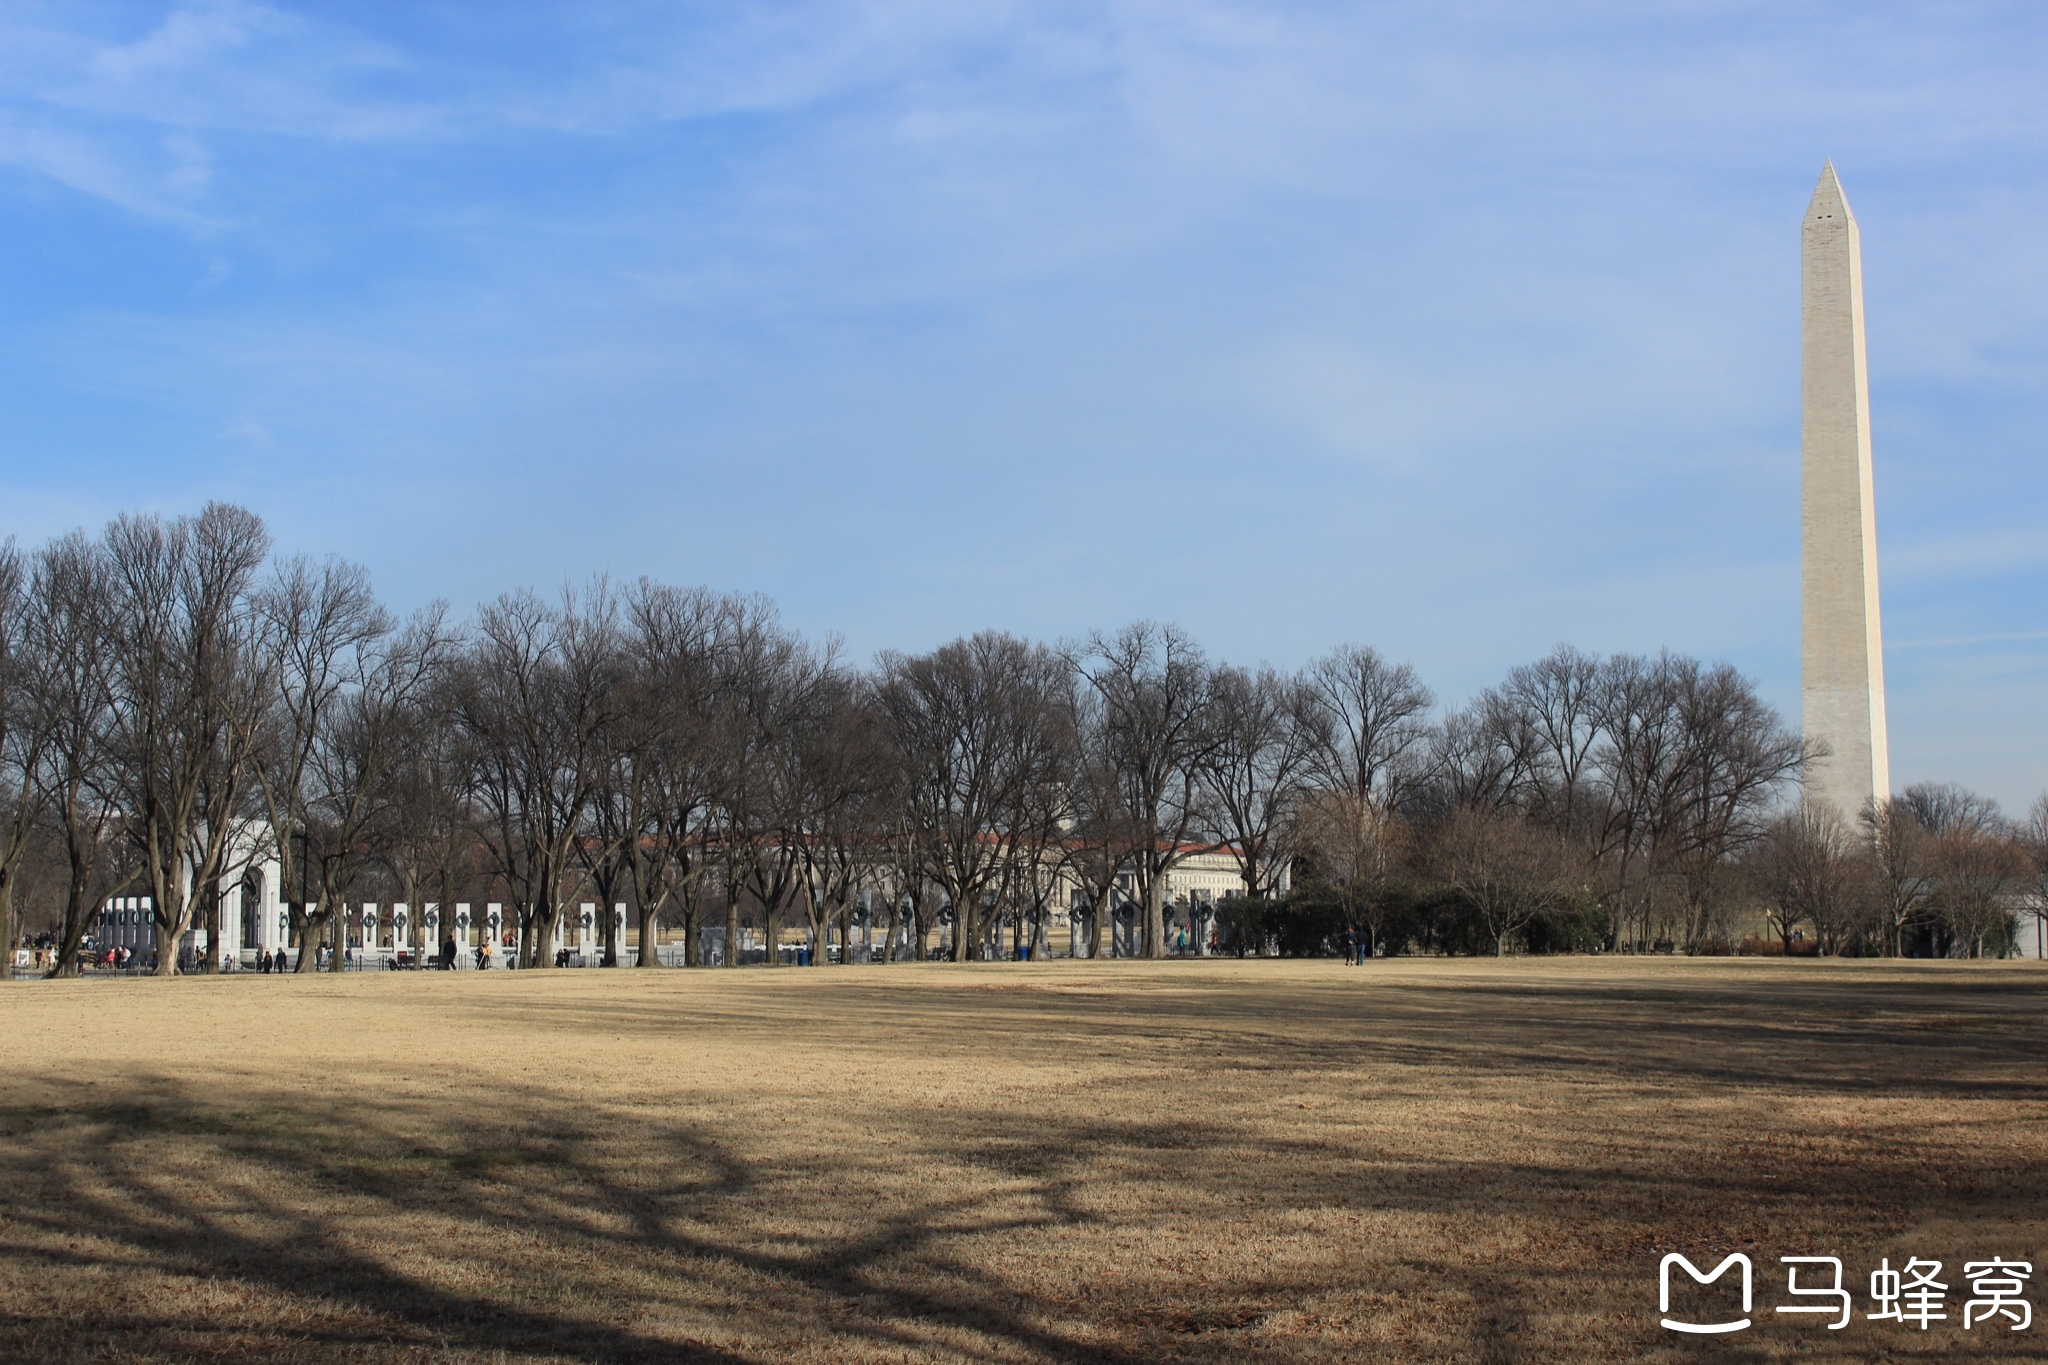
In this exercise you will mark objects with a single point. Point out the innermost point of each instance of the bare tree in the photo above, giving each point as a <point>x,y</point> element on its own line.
<point>1357,849</point>
<point>24,736</point>
<point>315,623</point>
<point>1737,756</point>
<point>1901,857</point>
<point>2034,842</point>
<point>1479,758</point>
<point>1943,808</point>
<point>769,680</point>
<point>1557,705</point>
<point>1806,868</point>
<point>1097,842</point>
<point>662,781</point>
<point>534,695</point>
<point>1959,865</point>
<point>975,727</point>
<point>1508,869</point>
<point>1689,761</point>
<point>1980,871</point>
<point>621,854</point>
<point>1267,734</point>
<point>429,844</point>
<point>842,759</point>
<point>187,688</point>
<point>66,632</point>
<point>1638,757</point>
<point>361,762</point>
<point>1374,723</point>
<point>1154,687</point>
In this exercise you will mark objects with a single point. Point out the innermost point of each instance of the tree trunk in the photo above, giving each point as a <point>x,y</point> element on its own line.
<point>732,929</point>
<point>76,898</point>
<point>1098,917</point>
<point>170,924</point>
<point>538,948</point>
<point>168,932</point>
<point>1155,918</point>
<point>7,934</point>
<point>963,929</point>
<point>650,940</point>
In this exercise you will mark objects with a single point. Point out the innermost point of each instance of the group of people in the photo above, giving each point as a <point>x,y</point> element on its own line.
<point>280,961</point>
<point>40,956</point>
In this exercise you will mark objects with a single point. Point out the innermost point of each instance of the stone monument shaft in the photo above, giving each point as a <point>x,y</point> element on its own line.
<point>1841,646</point>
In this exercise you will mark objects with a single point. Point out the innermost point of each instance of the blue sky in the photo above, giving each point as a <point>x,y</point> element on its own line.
<point>1458,330</point>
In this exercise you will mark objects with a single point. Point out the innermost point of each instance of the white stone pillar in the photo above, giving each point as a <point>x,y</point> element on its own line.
<point>494,930</point>
<point>230,953</point>
<point>463,926</point>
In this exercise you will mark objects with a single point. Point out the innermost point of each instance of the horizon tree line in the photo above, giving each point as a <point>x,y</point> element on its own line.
<point>172,695</point>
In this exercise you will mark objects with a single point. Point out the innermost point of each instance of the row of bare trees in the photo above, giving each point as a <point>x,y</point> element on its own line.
<point>174,701</point>
<point>1935,871</point>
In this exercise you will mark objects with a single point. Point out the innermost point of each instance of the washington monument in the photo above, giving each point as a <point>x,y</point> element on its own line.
<point>1841,647</point>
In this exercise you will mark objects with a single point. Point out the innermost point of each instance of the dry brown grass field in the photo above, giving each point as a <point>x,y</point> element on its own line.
<point>1190,1161</point>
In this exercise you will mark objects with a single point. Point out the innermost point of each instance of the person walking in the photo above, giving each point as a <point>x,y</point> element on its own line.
<point>1350,947</point>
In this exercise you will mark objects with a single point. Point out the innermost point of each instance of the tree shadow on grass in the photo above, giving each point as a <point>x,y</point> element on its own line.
<point>536,1225</point>
<point>595,1236</point>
